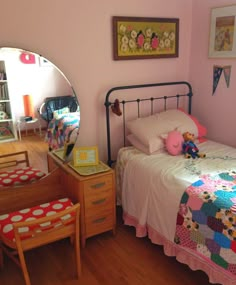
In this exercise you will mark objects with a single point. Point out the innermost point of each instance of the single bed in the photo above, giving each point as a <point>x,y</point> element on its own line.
<point>186,205</point>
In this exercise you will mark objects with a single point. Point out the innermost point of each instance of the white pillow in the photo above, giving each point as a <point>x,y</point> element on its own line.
<point>149,127</point>
<point>180,120</point>
<point>154,145</point>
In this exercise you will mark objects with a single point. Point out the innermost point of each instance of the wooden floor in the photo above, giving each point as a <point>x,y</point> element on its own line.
<point>122,259</point>
<point>35,145</point>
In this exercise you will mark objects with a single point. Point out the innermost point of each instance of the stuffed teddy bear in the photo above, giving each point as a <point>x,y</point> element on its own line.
<point>189,147</point>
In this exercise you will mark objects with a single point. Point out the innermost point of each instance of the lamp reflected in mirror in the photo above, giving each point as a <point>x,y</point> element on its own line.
<point>36,99</point>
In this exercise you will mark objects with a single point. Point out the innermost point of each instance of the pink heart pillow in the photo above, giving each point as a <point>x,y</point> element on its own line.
<point>174,142</point>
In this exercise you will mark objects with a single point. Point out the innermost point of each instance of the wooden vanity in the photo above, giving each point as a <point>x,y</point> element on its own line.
<point>95,193</point>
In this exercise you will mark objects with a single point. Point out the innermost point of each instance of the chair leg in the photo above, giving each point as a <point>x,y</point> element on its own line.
<point>77,255</point>
<point>1,258</point>
<point>24,267</point>
<point>72,240</point>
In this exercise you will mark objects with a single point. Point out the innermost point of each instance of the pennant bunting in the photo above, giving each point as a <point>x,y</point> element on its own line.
<point>216,76</point>
<point>227,73</point>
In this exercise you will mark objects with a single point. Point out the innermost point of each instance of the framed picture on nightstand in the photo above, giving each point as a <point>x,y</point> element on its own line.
<point>85,156</point>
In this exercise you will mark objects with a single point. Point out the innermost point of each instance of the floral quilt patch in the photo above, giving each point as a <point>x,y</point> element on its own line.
<point>206,221</point>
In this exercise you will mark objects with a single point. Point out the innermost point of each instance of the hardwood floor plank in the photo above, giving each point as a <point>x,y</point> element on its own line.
<point>35,145</point>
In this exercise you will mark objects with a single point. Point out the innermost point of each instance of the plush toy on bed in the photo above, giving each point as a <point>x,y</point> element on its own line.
<point>189,147</point>
<point>173,142</point>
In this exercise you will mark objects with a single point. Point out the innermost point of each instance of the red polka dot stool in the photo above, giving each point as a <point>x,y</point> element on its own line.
<point>20,176</point>
<point>32,227</point>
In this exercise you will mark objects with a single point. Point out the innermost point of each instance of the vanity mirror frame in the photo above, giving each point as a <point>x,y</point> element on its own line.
<point>33,61</point>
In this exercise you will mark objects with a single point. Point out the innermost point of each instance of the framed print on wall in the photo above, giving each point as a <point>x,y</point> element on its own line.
<point>144,38</point>
<point>85,156</point>
<point>223,32</point>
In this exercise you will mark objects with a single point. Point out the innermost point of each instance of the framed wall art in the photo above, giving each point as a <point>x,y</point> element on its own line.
<point>85,156</point>
<point>223,32</point>
<point>144,38</point>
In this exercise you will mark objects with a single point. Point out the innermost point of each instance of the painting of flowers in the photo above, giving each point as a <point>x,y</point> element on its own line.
<point>142,38</point>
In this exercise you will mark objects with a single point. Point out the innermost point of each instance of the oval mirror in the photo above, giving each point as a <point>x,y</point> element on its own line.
<point>37,102</point>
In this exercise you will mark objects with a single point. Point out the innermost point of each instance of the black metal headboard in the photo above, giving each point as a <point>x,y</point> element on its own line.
<point>113,105</point>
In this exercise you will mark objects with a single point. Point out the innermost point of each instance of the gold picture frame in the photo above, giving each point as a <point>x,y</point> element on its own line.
<point>85,156</point>
<point>222,43</point>
<point>145,38</point>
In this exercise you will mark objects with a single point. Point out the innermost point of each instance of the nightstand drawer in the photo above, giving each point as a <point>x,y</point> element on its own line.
<point>99,223</point>
<point>98,201</point>
<point>97,185</point>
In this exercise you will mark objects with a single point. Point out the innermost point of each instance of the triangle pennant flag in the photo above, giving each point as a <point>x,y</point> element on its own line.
<point>217,71</point>
<point>227,73</point>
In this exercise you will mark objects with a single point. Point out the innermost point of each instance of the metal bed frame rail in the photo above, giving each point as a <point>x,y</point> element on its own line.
<point>109,104</point>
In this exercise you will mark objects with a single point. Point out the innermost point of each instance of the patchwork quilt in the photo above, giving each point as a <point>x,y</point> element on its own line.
<point>60,129</point>
<point>206,220</point>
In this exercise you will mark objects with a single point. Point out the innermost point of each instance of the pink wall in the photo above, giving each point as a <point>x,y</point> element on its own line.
<point>216,112</point>
<point>77,37</point>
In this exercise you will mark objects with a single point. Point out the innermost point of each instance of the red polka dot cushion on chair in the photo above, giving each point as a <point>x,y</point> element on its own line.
<point>30,214</point>
<point>20,176</point>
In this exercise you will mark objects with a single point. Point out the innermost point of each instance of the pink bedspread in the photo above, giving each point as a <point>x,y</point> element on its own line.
<point>183,254</point>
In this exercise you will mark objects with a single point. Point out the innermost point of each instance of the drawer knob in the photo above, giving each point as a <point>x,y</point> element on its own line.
<point>100,201</point>
<point>100,220</point>
<point>98,185</point>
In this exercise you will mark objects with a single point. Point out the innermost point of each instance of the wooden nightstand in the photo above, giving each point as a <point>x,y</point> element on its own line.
<point>54,161</point>
<point>96,194</point>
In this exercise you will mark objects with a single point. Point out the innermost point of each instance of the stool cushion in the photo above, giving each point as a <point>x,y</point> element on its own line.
<point>20,176</point>
<point>30,214</point>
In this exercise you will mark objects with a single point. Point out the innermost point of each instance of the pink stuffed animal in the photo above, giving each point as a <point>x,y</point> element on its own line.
<point>174,142</point>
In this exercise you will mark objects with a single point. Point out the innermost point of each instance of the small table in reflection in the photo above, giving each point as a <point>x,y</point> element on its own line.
<point>35,123</point>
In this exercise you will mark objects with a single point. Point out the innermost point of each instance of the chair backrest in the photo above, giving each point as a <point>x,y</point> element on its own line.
<point>52,104</point>
<point>13,159</point>
<point>36,232</point>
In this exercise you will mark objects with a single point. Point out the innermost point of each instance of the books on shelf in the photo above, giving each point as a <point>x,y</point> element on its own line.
<point>3,76</point>
<point>4,92</point>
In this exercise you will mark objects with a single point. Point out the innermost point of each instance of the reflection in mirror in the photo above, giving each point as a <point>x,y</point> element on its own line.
<point>36,101</point>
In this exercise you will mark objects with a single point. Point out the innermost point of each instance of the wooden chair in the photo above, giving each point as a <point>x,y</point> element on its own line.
<point>42,231</point>
<point>11,174</point>
<point>14,159</point>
